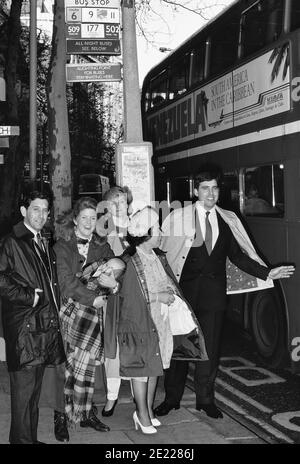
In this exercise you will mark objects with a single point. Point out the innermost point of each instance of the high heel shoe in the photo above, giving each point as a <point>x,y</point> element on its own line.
<point>155,422</point>
<point>148,429</point>
<point>110,411</point>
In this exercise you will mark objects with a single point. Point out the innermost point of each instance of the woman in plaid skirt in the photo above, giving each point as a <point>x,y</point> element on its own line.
<point>82,310</point>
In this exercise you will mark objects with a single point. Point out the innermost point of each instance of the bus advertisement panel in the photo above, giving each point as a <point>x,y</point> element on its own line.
<point>251,92</point>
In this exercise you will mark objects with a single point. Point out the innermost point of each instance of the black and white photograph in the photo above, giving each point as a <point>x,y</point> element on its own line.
<point>150,226</point>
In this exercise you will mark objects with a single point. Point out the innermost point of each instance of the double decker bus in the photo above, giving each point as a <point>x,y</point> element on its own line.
<point>230,94</point>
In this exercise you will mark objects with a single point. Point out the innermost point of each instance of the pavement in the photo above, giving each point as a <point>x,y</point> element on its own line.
<point>183,426</point>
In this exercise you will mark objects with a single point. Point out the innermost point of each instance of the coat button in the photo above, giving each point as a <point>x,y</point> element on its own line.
<point>157,354</point>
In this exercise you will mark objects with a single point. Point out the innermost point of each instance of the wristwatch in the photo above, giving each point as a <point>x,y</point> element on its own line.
<point>115,289</point>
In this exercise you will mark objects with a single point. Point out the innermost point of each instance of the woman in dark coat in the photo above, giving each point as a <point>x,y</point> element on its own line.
<point>145,337</point>
<point>82,311</point>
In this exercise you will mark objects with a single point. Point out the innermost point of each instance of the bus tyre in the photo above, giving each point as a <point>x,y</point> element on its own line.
<point>268,327</point>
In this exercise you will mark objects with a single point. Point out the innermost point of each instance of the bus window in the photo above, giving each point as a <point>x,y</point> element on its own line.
<point>295,15</point>
<point>224,45</point>
<point>159,88</point>
<point>261,24</point>
<point>179,75</point>
<point>229,192</point>
<point>180,189</point>
<point>264,191</point>
<point>198,64</point>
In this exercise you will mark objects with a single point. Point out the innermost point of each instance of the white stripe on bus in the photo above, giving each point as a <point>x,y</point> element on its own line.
<point>252,137</point>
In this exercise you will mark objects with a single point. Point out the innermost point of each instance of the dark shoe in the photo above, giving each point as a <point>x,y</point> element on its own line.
<point>93,422</point>
<point>164,408</point>
<point>210,409</point>
<point>61,427</point>
<point>110,411</point>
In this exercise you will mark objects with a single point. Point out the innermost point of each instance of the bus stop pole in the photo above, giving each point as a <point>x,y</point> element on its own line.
<point>132,106</point>
<point>33,92</point>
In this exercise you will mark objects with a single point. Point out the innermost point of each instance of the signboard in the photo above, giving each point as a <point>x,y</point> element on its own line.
<point>92,31</point>
<point>1,159</point>
<point>92,15</point>
<point>4,143</point>
<point>93,72</point>
<point>134,170</point>
<point>91,3</point>
<point>249,93</point>
<point>89,47</point>
<point>9,130</point>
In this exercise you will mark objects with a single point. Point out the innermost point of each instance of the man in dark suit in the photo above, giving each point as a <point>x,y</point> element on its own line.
<point>29,289</point>
<point>198,241</point>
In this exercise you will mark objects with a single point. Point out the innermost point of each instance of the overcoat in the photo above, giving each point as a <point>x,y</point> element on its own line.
<point>137,333</point>
<point>32,335</point>
<point>70,262</point>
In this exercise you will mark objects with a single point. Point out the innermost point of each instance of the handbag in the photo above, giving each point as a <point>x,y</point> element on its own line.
<point>180,317</point>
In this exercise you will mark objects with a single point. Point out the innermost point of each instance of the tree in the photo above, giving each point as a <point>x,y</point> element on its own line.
<point>58,127</point>
<point>12,168</point>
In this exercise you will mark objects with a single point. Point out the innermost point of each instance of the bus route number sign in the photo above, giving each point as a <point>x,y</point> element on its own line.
<point>92,31</point>
<point>92,15</point>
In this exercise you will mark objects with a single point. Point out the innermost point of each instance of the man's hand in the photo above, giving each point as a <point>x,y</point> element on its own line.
<point>281,272</point>
<point>36,296</point>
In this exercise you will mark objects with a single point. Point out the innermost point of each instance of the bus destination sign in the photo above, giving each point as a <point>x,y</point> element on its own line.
<point>103,72</point>
<point>92,15</point>
<point>97,47</point>
<point>92,31</point>
<point>93,3</point>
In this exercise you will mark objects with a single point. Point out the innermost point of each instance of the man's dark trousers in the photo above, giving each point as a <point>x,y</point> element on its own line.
<point>205,371</point>
<point>25,386</point>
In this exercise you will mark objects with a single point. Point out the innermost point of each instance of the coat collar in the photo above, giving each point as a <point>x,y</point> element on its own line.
<point>21,231</point>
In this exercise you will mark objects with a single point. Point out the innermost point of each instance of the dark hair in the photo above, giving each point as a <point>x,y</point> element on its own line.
<point>84,203</point>
<point>28,197</point>
<point>207,172</point>
<point>117,191</point>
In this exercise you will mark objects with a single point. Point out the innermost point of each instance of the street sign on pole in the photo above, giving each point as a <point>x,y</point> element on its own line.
<point>97,47</point>
<point>4,142</point>
<point>92,15</point>
<point>92,31</point>
<point>103,72</point>
<point>91,3</point>
<point>6,131</point>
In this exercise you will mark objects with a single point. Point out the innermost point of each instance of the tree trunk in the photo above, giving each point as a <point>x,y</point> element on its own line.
<point>10,185</point>
<point>59,142</point>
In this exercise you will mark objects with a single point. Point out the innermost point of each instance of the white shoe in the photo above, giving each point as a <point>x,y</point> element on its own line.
<point>145,429</point>
<point>155,422</point>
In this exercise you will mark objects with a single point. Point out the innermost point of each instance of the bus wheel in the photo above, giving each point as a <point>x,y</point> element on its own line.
<point>268,327</point>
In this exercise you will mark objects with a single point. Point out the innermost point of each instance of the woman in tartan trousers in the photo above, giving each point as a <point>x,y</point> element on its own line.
<point>82,311</point>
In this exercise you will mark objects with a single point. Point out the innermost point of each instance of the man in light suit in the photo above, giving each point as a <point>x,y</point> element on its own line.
<point>198,241</point>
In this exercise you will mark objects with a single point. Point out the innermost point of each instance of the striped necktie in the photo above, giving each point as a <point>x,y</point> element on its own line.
<point>208,234</point>
<point>39,241</point>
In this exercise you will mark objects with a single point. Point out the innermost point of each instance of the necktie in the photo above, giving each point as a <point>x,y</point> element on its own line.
<point>208,234</point>
<point>39,241</point>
